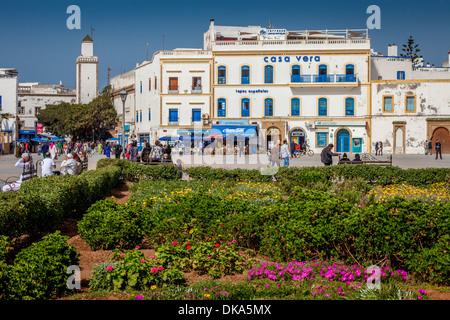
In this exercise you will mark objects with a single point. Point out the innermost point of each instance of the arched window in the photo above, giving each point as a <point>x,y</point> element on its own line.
<point>222,75</point>
<point>245,107</point>
<point>295,73</point>
<point>268,74</point>
<point>349,107</point>
<point>295,107</point>
<point>221,107</point>
<point>245,75</point>
<point>323,71</point>
<point>268,107</point>
<point>323,107</point>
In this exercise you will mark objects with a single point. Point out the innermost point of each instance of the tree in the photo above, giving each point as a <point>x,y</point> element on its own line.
<point>80,120</point>
<point>411,50</point>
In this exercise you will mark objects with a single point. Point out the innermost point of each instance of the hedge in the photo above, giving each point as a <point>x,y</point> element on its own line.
<point>132,171</point>
<point>373,174</point>
<point>41,203</point>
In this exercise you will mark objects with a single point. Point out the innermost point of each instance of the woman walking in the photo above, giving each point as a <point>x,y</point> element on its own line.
<point>284,153</point>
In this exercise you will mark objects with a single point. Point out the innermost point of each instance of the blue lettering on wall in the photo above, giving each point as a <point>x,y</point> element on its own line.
<point>288,59</point>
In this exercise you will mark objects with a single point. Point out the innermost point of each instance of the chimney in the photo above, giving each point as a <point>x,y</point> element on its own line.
<point>392,50</point>
<point>211,30</point>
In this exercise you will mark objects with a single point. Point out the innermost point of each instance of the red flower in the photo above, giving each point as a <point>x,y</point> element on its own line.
<point>175,243</point>
<point>188,243</point>
<point>188,247</point>
<point>217,245</point>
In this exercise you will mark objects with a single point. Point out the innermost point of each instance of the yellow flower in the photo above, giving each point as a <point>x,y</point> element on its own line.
<point>153,287</point>
<point>207,295</point>
<point>190,232</point>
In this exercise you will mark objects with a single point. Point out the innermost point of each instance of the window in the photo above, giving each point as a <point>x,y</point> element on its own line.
<point>245,75</point>
<point>149,84</point>
<point>37,110</point>
<point>323,107</point>
<point>173,115</point>
<point>222,75</point>
<point>137,116</point>
<point>410,103</point>
<point>245,107</point>
<point>196,83</point>
<point>0,103</point>
<point>349,107</point>
<point>156,78</point>
<point>321,139</point>
<point>387,104</point>
<point>140,86</point>
<point>21,110</point>
<point>140,116</point>
<point>196,115</point>
<point>268,74</point>
<point>173,83</point>
<point>221,107</point>
<point>295,107</point>
<point>268,107</point>
<point>149,114</point>
<point>400,75</point>
<point>323,69</point>
<point>349,69</point>
<point>295,73</point>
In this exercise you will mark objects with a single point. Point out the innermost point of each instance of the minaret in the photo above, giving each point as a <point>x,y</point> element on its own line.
<point>87,72</point>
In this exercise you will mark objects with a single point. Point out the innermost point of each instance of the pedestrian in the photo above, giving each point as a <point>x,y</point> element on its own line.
<point>99,148</point>
<point>157,152</point>
<point>376,148</point>
<point>45,149</point>
<point>27,166</point>
<point>275,154</point>
<point>438,149</point>
<point>39,148</point>
<point>107,150</point>
<point>134,150</point>
<point>284,153</point>
<point>292,147</point>
<point>1,148</point>
<point>380,146</point>
<point>77,158</point>
<point>430,147</point>
<point>69,165</point>
<point>48,165</point>
<point>84,160</point>
<point>425,146</point>
<point>117,150</point>
<point>327,156</point>
<point>53,150</point>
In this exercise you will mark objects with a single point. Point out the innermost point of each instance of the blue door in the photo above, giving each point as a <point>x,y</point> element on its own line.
<point>343,141</point>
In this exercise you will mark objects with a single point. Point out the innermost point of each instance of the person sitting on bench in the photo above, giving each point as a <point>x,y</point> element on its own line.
<point>27,165</point>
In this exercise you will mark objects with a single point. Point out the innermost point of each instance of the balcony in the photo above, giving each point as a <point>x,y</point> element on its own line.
<point>173,122</point>
<point>332,79</point>
<point>196,90</point>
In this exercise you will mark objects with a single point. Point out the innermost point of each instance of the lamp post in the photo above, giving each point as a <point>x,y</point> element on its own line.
<point>123,96</point>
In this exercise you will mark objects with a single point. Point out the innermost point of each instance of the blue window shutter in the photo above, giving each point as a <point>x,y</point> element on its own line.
<point>295,107</point>
<point>245,75</point>
<point>268,74</point>
<point>245,107</point>
<point>222,75</point>
<point>349,107</point>
<point>268,107</point>
<point>323,107</point>
<point>221,107</point>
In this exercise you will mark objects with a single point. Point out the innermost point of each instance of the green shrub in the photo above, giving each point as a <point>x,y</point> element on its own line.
<point>40,271</point>
<point>130,270</point>
<point>5,247</point>
<point>107,225</point>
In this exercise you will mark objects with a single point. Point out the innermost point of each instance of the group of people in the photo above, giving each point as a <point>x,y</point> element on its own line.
<point>437,148</point>
<point>156,153</point>
<point>278,153</point>
<point>73,164</point>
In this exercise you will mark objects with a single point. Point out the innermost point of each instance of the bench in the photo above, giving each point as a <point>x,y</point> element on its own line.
<point>368,159</point>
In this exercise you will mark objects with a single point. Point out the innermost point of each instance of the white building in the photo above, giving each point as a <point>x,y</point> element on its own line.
<point>87,72</point>
<point>34,97</point>
<point>321,86</point>
<point>9,83</point>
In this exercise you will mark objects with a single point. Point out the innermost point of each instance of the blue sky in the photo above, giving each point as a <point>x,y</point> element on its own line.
<point>35,40</point>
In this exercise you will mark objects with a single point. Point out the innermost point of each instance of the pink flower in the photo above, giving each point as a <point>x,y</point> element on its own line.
<point>137,247</point>
<point>217,245</point>
<point>175,243</point>
<point>143,261</point>
<point>139,297</point>
<point>209,258</point>
<point>188,247</point>
<point>122,254</point>
<point>109,268</point>
<point>154,270</point>
<point>419,298</point>
<point>160,268</point>
<point>121,242</point>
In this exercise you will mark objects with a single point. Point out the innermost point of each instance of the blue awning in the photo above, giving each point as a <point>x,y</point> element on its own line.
<point>237,131</point>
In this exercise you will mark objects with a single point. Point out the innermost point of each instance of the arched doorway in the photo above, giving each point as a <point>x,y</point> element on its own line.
<point>297,136</point>
<point>273,134</point>
<point>399,141</point>
<point>343,141</point>
<point>444,138</point>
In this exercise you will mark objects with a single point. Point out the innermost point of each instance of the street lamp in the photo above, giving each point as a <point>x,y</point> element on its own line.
<point>123,96</point>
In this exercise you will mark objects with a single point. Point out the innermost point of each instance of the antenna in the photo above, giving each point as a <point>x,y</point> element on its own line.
<point>270,24</point>
<point>163,42</point>
<point>92,32</point>
<point>146,57</point>
<point>109,71</point>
